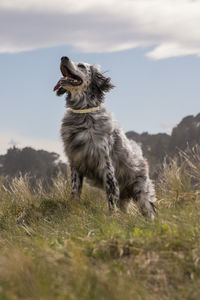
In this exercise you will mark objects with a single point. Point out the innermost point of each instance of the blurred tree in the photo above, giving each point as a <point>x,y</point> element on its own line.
<point>156,146</point>
<point>39,164</point>
<point>187,132</point>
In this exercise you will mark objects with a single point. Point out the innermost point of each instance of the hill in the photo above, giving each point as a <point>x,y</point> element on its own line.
<point>54,248</point>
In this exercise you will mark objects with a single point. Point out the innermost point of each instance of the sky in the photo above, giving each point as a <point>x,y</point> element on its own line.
<point>150,49</point>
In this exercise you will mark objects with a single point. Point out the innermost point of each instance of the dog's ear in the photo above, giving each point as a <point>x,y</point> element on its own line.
<point>100,84</point>
<point>60,91</point>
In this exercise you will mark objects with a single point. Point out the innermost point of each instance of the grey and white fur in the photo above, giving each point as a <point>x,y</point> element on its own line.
<point>97,147</point>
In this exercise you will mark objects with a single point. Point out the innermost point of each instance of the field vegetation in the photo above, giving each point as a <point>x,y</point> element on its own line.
<point>52,247</point>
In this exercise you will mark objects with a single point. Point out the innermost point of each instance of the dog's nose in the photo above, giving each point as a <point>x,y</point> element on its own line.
<point>64,58</point>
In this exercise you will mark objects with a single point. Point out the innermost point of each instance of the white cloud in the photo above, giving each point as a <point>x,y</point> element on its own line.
<point>9,139</point>
<point>172,27</point>
<point>166,50</point>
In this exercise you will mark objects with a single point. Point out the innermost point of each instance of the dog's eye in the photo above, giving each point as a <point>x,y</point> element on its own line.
<point>81,66</point>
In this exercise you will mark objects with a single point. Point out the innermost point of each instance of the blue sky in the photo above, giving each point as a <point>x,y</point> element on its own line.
<point>156,74</point>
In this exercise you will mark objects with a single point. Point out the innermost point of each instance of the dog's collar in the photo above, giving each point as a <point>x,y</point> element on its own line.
<point>84,111</point>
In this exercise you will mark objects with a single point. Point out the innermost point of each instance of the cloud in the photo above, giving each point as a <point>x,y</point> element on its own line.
<point>171,27</point>
<point>9,139</point>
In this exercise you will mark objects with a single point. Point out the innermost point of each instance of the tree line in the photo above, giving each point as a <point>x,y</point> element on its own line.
<point>157,146</point>
<point>40,164</point>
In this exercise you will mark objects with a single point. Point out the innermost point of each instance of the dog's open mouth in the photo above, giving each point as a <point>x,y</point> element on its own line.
<point>68,78</point>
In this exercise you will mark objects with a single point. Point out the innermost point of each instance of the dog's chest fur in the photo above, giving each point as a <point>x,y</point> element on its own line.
<point>87,138</point>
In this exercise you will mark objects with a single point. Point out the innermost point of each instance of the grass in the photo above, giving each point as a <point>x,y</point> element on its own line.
<point>54,248</point>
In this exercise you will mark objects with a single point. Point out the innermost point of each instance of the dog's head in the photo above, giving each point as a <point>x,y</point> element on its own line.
<point>82,77</point>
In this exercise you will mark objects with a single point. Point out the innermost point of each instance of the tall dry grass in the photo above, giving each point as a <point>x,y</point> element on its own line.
<point>179,179</point>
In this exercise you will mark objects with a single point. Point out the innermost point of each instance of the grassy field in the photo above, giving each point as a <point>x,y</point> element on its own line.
<point>55,248</point>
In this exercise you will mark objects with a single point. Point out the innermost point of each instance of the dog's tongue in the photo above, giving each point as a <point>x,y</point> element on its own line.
<point>57,85</point>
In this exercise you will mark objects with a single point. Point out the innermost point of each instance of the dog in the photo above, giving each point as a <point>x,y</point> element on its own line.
<point>96,146</point>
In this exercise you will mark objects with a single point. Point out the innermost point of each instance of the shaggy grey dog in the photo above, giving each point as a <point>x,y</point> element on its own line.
<point>96,146</point>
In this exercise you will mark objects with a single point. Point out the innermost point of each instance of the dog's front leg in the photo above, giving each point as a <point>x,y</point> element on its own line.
<point>76,183</point>
<point>111,187</point>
